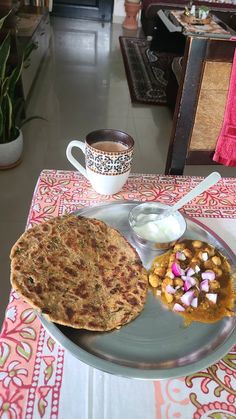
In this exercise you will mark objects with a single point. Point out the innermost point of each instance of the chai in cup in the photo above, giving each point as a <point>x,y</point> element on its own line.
<point>108,157</point>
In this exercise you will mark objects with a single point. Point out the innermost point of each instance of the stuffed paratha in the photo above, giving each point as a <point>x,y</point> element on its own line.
<point>79,272</point>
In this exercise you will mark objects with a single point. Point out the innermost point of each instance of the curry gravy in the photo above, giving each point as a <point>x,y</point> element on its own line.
<point>200,257</point>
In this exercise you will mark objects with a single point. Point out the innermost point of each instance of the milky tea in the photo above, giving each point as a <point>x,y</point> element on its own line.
<point>110,146</point>
<point>108,156</point>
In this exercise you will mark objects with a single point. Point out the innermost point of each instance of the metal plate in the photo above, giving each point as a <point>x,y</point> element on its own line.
<point>155,345</point>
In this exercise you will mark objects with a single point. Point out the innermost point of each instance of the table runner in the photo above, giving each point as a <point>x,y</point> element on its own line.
<point>38,379</point>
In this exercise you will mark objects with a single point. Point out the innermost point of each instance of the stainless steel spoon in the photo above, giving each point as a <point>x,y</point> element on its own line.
<point>209,181</point>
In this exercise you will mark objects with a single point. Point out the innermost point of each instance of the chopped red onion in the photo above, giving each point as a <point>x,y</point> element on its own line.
<point>210,275</point>
<point>212,297</point>
<point>190,272</point>
<point>170,289</point>
<point>204,256</point>
<point>188,278</point>
<point>204,285</point>
<point>176,269</point>
<point>178,307</point>
<point>194,302</point>
<point>193,280</point>
<point>189,283</point>
<point>180,256</point>
<point>187,298</point>
<point>197,269</point>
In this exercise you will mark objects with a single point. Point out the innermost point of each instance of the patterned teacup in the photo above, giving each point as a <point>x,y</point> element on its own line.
<point>108,157</point>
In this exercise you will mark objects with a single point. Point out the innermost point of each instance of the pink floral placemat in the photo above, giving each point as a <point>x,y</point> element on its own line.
<point>31,363</point>
<point>58,192</point>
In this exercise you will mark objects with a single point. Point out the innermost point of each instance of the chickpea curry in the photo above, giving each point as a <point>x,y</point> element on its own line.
<point>194,280</point>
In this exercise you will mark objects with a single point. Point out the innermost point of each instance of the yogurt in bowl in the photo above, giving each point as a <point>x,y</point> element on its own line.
<point>152,232</point>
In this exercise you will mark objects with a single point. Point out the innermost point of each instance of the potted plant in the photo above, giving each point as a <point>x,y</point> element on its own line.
<point>11,138</point>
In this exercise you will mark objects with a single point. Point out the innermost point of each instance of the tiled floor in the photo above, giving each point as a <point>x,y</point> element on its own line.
<point>81,87</point>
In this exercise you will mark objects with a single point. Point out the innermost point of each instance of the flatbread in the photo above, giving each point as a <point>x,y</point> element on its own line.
<point>79,272</point>
<point>194,280</point>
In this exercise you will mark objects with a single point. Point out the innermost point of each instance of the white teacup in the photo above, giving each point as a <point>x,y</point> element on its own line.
<point>108,156</point>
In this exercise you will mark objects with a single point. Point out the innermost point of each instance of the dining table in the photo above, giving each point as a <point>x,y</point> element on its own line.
<point>40,378</point>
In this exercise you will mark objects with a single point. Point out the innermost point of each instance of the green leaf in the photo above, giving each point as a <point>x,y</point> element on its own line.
<point>24,350</point>
<point>4,55</point>
<point>49,209</point>
<point>48,373</point>
<point>2,20</point>
<point>50,344</point>
<point>220,415</point>
<point>14,77</point>
<point>5,87</point>
<point>42,404</point>
<point>8,117</point>
<point>28,315</point>
<point>28,333</point>
<point>4,353</point>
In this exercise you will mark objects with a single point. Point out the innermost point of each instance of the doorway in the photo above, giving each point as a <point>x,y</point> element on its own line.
<point>100,10</point>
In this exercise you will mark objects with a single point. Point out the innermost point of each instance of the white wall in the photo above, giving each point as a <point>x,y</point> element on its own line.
<point>119,11</point>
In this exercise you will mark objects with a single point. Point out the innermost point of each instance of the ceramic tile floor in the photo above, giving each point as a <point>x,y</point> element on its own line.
<point>81,87</point>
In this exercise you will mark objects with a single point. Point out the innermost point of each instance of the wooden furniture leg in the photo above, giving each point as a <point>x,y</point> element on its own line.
<point>200,103</point>
<point>185,105</point>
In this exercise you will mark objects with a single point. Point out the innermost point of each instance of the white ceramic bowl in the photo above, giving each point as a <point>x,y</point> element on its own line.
<point>156,234</point>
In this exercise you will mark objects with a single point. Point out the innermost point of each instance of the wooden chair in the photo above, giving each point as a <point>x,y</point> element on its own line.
<point>200,103</point>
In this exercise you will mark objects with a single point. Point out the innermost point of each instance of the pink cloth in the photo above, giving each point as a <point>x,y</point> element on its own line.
<point>40,380</point>
<point>225,152</point>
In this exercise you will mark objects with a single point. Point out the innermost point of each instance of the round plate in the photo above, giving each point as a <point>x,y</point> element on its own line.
<point>155,345</point>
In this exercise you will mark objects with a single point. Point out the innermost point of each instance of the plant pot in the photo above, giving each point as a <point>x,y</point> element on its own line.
<point>10,153</point>
<point>131,10</point>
